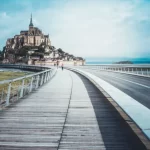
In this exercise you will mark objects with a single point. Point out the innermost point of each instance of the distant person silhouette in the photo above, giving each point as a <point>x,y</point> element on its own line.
<point>62,66</point>
<point>57,63</point>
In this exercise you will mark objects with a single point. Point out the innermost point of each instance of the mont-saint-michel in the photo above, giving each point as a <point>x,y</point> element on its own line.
<point>33,46</point>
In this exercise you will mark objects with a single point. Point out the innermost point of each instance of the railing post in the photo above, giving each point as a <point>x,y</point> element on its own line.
<point>42,79</point>
<point>147,72</point>
<point>22,88</point>
<point>45,77</point>
<point>2,94</point>
<point>8,94</point>
<point>136,71</point>
<point>37,82</point>
<point>46,74</point>
<point>142,71</point>
<point>49,75</point>
<point>31,84</point>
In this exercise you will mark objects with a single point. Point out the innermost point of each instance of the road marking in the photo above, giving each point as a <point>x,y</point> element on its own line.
<point>135,110</point>
<point>131,82</point>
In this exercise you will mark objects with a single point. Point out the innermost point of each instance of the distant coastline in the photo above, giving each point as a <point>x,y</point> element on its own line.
<point>110,62</point>
<point>124,62</point>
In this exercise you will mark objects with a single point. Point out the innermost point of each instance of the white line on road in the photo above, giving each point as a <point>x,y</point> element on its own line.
<point>131,82</point>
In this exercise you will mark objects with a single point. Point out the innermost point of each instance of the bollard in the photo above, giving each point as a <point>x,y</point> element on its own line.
<point>8,94</point>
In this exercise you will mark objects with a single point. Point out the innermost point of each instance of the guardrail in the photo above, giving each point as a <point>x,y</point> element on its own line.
<point>24,67</point>
<point>12,90</point>
<point>141,70</point>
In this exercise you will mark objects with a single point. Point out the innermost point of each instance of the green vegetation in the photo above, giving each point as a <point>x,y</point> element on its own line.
<point>14,85</point>
<point>10,75</point>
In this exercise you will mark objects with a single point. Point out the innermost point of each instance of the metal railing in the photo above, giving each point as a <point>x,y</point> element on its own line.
<point>141,70</point>
<point>12,90</point>
<point>24,67</point>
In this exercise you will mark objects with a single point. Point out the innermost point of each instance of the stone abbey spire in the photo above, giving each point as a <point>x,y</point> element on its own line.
<point>31,24</point>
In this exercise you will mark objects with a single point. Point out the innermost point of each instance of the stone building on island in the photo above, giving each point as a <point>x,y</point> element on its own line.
<point>31,37</point>
<point>32,45</point>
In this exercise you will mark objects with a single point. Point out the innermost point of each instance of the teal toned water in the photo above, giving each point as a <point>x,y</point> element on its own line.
<point>111,61</point>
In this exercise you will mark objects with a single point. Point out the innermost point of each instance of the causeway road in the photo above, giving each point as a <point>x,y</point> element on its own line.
<point>135,86</point>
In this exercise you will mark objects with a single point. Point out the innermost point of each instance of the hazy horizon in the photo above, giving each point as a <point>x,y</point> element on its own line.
<point>86,28</point>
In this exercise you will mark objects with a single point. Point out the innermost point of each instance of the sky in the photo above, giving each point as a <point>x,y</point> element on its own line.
<point>86,28</point>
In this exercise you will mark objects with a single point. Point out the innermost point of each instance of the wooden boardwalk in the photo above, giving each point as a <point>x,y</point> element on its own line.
<point>68,113</point>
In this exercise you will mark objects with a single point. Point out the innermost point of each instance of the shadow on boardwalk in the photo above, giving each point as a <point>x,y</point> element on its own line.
<point>116,134</point>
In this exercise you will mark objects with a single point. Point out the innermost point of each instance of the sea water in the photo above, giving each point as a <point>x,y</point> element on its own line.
<point>133,60</point>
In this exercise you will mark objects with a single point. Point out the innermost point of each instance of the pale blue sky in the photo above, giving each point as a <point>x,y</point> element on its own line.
<point>101,28</point>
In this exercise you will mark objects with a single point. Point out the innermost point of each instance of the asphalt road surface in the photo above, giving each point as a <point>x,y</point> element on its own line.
<point>135,86</point>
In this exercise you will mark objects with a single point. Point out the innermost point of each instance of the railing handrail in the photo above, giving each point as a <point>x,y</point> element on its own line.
<point>35,81</point>
<point>143,70</point>
<point>23,66</point>
<point>26,76</point>
<point>121,65</point>
<point>23,77</point>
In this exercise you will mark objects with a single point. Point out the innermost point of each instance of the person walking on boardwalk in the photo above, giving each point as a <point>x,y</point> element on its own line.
<point>57,63</point>
<point>62,66</point>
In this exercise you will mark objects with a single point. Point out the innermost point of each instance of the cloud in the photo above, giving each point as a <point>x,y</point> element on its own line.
<point>92,28</point>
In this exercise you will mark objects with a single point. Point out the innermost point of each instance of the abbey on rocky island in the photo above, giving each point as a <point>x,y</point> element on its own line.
<point>31,37</point>
<point>32,45</point>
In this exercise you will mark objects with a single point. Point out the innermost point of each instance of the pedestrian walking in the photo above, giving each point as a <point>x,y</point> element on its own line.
<point>57,64</point>
<point>62,66</point>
